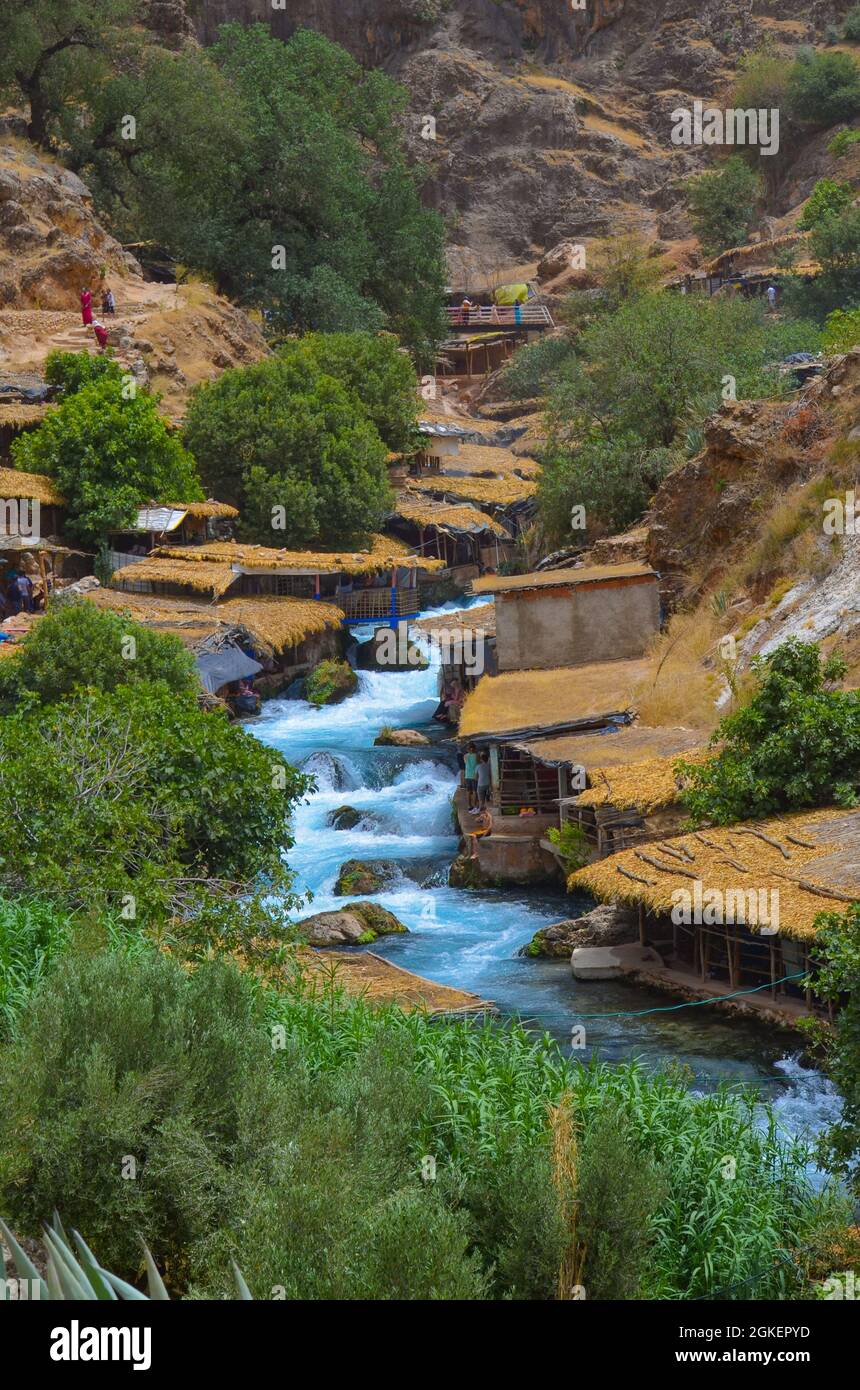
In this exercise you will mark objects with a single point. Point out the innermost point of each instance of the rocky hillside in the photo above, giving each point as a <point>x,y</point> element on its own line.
<point>52,245</point>
<point>553,121</point>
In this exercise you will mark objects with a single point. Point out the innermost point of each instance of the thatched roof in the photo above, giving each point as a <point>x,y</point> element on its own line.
<point>209,508</point>
<point>280,622</point>
<point>518,704</point>
<point>501,491</point>
<point>811,850</point>
<point>207,577</point>
<point>764,251</point>
<point>382,554</point>
<point>646,786</point>
<point>273,623</point>
<point>487,459</point>
<point>572,578</point>
<point>15,483</point>
<point>481,618</point>
<point>447,516</point>
<point>631,744</point>
<point>19,416</point>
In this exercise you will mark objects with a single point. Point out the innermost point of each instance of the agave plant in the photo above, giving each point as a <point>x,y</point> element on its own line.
<point>79,1277</point>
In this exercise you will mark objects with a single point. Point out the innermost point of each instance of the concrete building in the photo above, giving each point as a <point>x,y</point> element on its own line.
<point>571,617</point>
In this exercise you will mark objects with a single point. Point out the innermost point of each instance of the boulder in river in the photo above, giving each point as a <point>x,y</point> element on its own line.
<point>466,872</point>
<point>605,925</point>
<point>330,682</point>
<point>356,924</point>
<point>364,876</point>
<point>345,818</point>
<point>401,738</point>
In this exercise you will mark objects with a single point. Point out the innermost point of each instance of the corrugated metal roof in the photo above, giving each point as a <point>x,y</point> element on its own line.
<point>159,519</point>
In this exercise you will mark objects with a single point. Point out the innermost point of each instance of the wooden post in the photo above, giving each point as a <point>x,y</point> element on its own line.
<point>643,939</point>
<point>43,572</point>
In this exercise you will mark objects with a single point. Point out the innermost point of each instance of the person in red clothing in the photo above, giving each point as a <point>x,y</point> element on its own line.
<point>86,306</point>
<point>101,335</point>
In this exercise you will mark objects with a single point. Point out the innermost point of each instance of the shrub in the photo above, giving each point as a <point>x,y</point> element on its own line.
<point>572,845</point>
<point>828,199</point>
<point>823,88</point>
<point>841,330</point>
<point>32,934</point>
<point>842,142</point>
<point>330,682</point>
<point>796,744</point>
<point>851,25</point>
<point>70,371</point>
<point>77,645</point>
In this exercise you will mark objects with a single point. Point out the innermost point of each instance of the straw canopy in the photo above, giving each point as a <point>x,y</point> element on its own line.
<point>20,416</point>
<point>646,786</point>
<point>15,483</point>
<point>272,623</point>
<point>206,577</point>
<point>448,516</point>
<point>204,510</point>
<point>383,553</point>
<point>754,251</point>
<point>526,702</point>
<point>812,858</point>
<point>490,461</point>
<point>619,747</point>
<point>501,491</point>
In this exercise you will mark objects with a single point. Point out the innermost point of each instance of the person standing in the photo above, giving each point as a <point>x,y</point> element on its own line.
<point>484,781</point>
<point>25,592</point>
<point>108,301</point>
<point>471,770</point>
<point>87,307</point>
<point>771,296</point>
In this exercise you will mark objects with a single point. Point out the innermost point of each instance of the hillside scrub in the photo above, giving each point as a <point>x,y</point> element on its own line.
<point>627,402</point>
<point>722,204</point>
<point>795,743</point>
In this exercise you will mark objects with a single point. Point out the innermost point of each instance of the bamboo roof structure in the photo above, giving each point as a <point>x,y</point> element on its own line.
<point>503,492</point>
<point>572,578</point>
<point>521,704</point>
<point>812,858</point>
<point>16,483</point>
<point>448,516</point>
<point>646,786</point>
<point>383,553</point>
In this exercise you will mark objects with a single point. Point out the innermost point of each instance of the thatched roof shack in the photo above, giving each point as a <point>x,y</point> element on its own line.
<point>159,575</point>
<point>36,486</point>
<point>446,516</point>
<point>490,461</point>
<point>519,705</point>
<point>810,858</point>
<point>281,623</point>
<point>753,254</point>
<point>382,555</point>
<point>18,415</point>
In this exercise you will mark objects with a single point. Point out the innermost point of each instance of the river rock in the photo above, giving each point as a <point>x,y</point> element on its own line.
<point>401,738</point>
<point>364,876</point>
<point>356,924</point>
<point>466,872</point>
<point>605,925</point>
<point>344,818</point>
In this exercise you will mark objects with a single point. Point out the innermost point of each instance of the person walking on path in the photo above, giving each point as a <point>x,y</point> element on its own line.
<point>87,307</point>
<point>101,335</point>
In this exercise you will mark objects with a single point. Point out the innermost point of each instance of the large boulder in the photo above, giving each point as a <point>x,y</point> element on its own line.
<point>356,924</point>
<point>364,876</point>
<point>344,818</point>
<point>401,738</point>
<point>605,925</point>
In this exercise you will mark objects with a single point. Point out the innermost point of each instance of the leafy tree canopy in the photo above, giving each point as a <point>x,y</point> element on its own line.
<point>722,203</point>
<point>378,373</point>
<point>77,645</point>
<point>828,198</point>
<point>138,792</point>
<point>293,446</point>
<point>796,744</point>
<point>823,87</point>
<point>109,453</point>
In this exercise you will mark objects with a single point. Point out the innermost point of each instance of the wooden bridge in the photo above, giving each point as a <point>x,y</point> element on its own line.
<point>500,318</point>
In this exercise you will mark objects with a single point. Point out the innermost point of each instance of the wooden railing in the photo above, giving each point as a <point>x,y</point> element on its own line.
<point>492,318</point>
<point>376,603</point>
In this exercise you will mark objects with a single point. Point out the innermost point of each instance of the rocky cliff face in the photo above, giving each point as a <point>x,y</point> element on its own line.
<point>551,120</point>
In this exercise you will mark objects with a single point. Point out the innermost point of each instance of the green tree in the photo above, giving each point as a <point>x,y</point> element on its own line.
<point>722,203</point>
<point>280,170</point>
<point>827,199</point>
<point>69,371</point>
<point>837,950</point>
<point>77,645</point>
<point>109,453</point>
<point>293,448</point>
<point>52,51</point>
<point>378,373</point>
<point>138,792</point>
<point>823,88</point>
<point>851,25</point>
<point>796,744</point>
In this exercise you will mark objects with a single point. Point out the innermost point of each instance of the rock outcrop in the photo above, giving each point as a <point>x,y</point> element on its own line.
<point>401,738</point>
<point>605,925</point>
<point>364,876</point>
<point>356,924</point>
